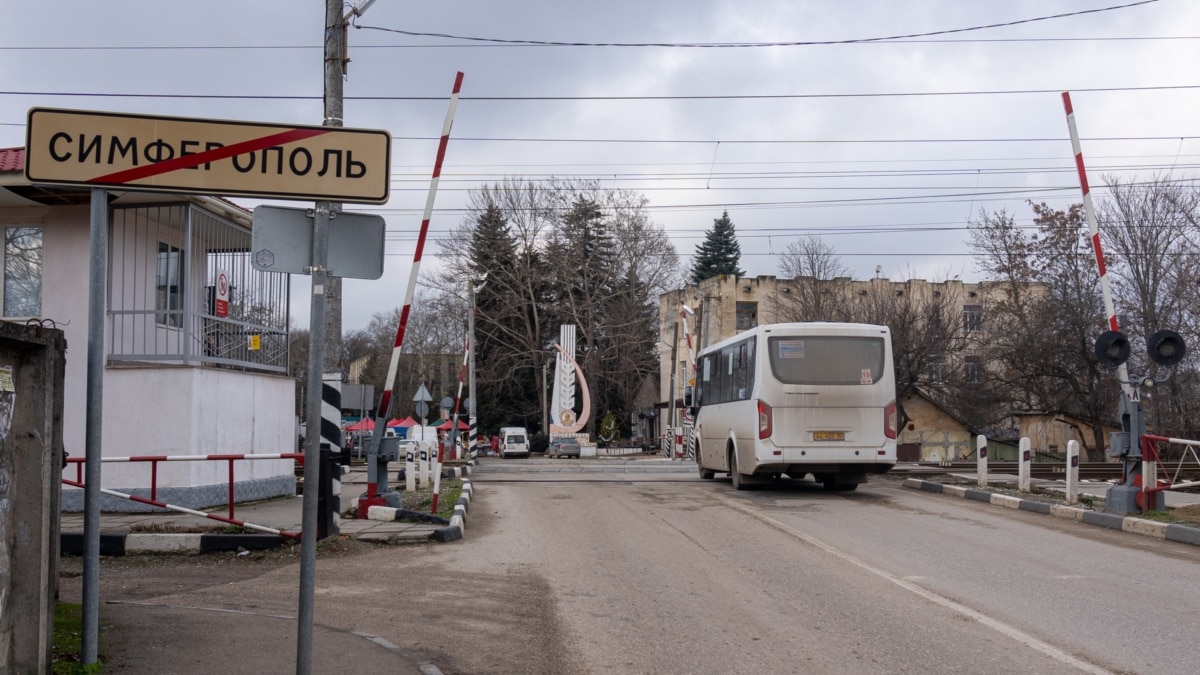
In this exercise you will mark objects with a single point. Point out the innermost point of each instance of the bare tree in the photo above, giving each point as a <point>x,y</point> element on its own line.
<point>1042,328</point>
<point>434,340</point>
<point>819,290</point>
<point>929,339</point>
<point>538,245</point>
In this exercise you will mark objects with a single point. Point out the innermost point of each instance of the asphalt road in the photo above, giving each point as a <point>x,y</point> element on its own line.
<point>602,566</point>
<point>691,576</point>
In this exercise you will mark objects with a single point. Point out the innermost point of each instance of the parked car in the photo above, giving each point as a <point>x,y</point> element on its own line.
<point>564,446</point>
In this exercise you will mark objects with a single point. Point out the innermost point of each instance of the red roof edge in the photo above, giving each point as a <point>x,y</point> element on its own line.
<point>12,159</point>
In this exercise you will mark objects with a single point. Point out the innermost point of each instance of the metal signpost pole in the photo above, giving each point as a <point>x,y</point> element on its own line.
<point>92,436</point>
<point>334,53</point>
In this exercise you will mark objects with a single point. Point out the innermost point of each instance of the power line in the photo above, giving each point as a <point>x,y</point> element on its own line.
<point>679,97</point>
<point>170,48</point>
<point>726,45</point>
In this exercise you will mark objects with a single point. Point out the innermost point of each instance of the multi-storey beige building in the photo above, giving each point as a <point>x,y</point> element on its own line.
<point>723,306</point>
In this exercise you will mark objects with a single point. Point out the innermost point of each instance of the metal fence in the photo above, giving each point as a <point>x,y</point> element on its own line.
<point>164,265</point>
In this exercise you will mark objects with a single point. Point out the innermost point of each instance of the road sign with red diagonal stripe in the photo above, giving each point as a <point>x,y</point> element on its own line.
<point>179,154</point>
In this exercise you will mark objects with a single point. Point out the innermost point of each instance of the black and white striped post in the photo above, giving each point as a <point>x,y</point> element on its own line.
<point>329,483</point>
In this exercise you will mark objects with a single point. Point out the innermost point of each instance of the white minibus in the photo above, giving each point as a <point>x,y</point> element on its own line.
<point>796,399</point>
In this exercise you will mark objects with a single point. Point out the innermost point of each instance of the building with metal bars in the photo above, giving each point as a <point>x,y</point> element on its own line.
<point>196,340</point>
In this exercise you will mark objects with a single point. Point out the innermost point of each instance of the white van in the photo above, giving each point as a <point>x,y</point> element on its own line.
<point>514,441</point>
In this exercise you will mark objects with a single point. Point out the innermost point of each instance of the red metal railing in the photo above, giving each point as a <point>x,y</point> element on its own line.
<point>153,500</point>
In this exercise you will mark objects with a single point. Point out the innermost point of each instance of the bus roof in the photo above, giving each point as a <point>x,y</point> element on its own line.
<point>804,328</point>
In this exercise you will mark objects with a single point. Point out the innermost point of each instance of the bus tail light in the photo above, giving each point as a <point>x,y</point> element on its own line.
<point>764,421</point>
<point>889,420</point>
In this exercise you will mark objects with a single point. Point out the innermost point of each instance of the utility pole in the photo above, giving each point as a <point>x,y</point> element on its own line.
<point>473,399</point>
<point>325,335</point>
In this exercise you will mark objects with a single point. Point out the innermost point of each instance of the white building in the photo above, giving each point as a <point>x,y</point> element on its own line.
<point>182,376</point>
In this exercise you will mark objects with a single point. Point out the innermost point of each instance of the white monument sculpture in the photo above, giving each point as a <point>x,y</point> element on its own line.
<point>563,419</point>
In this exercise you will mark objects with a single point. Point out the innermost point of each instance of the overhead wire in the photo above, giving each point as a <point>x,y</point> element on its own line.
<point>798,43</point>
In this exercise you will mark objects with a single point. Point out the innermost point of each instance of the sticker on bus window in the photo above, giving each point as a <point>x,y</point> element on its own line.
<point>741,393</point>
<point>866,377</point>
<point>791,349</point>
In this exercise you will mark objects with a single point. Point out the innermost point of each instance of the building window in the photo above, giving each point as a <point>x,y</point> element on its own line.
<point>972,318</point>
<point>747,315</point>
<point>937,368</point>
<point>23,271</point>
<point>973,369</point>
<point>168,299</point>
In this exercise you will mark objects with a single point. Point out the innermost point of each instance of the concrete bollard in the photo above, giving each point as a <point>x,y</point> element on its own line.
<point>1072,472</point>
<point>981,459</point>
<point>1024,467</point>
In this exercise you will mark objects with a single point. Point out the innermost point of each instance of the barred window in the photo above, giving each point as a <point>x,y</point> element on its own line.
<point>168,299</point>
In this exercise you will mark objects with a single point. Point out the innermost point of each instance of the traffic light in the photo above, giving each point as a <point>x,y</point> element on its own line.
<point>1112,348</point>
<point>1166,347</point>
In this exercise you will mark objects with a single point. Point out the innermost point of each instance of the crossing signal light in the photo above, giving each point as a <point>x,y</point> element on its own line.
<point>1112,348</point>
<point>1166,347</point>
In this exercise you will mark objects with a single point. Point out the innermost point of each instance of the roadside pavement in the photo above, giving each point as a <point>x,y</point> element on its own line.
<point>160,532</point>
<point>1183,534</point>
<point>164,638</point>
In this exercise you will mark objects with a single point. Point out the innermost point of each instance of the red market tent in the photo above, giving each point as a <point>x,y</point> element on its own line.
<point>445,426</point>
<point>404,423</point>
<point>365,424</point>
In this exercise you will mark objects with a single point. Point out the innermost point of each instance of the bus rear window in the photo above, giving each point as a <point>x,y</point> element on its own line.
<point>826,360</point>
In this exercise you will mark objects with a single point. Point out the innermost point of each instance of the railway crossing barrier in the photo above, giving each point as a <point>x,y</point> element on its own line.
<point>328,488</point>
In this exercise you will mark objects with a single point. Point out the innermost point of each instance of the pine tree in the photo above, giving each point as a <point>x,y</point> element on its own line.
<point>719,253</point>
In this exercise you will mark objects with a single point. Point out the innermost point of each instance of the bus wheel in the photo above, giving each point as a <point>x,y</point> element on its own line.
<point>706,474</point>
<point>738,482</point>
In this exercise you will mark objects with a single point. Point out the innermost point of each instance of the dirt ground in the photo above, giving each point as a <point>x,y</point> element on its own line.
<point>437,603</point>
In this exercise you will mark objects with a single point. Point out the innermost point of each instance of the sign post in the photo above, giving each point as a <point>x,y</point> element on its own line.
<point>327,164</point>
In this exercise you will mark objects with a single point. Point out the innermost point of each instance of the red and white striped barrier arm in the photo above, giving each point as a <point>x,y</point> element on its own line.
<point>191,512</point>
<point>385,400</point>
<point>1090,212</point>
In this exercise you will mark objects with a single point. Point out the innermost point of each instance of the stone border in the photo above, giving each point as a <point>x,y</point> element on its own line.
<point>72,543</point>
<point>1150,528</point>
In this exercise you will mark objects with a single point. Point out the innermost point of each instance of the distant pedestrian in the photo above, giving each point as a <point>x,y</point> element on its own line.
<point>495,446</point>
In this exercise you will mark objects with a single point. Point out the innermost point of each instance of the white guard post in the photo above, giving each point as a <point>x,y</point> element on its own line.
<point>1072,472</point>
<point>423,465</point>
<point>1024,465</point>
<point>981,459</point>
<point>410,468</point>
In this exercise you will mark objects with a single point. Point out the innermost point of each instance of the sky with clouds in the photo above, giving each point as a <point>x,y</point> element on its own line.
<point>824,120</point>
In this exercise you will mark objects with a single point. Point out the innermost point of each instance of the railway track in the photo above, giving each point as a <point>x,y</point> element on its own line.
<point>1051,470</point>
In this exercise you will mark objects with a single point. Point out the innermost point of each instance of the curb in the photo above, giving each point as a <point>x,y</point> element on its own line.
<point>1150,528</point>
<point>454,527</point>
<point>458,522</point>
<point>72,543</point>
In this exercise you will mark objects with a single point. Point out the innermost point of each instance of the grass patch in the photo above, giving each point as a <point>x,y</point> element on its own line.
<point>67,645</point>
<point>422,498</point>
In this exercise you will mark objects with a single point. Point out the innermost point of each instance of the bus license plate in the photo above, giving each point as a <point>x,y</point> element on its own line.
<point>829,435</point>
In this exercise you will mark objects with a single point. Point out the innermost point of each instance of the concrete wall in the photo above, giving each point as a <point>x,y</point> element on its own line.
<point>31,414</point>
<point>1050,433</point>
<point>188,410</point>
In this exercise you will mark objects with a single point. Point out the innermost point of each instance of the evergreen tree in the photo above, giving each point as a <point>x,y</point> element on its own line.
<point>719,253</point>
<point>498,317</point>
